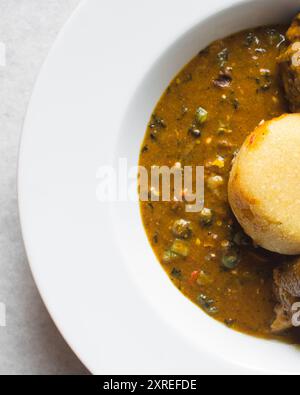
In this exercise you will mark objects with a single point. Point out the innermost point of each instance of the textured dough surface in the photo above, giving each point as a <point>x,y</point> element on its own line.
<point>264,185</point>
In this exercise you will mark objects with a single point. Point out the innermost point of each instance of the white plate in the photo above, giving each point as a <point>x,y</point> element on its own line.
<point>91,261</point>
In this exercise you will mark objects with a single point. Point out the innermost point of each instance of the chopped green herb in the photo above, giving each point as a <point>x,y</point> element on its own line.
<point>155,238</point>
<point>187,78</point>
<point>169,256</point>
<point>223,57</point>
<point>275,38</point>
<point>265,81</point>
<point>176,273</point>
<point>157,122</point>
<point>251,39</point>
<point>207,304</point>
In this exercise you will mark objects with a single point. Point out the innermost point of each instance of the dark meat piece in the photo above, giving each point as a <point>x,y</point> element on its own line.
<point>225,78</point>
<point>223,81</point>
<point>290,71</point>
<point>289,63</point>
<point>282,322</point>
<point>287,291</point>
<point>287,278</point>
<point>293,34</point>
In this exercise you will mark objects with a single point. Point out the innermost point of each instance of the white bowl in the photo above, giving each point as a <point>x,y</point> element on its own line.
<point>92,262</point>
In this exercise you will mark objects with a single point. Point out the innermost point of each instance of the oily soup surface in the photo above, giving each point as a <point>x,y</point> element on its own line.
<point>207,256</point>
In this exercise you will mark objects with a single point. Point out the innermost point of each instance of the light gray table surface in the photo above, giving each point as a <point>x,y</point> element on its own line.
<point>30,343</point>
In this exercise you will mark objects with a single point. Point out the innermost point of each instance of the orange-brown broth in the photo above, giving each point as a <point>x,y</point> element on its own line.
<point>242,298</point>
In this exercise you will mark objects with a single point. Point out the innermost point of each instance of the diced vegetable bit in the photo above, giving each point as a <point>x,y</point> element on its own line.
<point>180,248</point>
<point>219,162</point>
<point>169,256</point>
<point>215,182</point>
<point>224,80</point>
<point>230,260</point>
<point>224,129</point>
<point>203,279</point>
<point>223,57</point>
<point>225,244</point>
<point>206,217</point>
<point>260,50</point>
<point>225,144</point>
<point>176,273</point>
<point>205,301</point>
<point>201,115</point>
<point>194,276</point>
<point>265,72</point>
<point>210,257</point>
<point>213,310</point>
<point>207,304</point>
<point>182,229</point>
<point>229,322</point>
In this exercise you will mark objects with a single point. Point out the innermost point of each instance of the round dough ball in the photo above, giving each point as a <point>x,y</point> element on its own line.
<point>264,185</point>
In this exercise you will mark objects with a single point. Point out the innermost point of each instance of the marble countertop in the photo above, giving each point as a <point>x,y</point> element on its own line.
<point>30,342</point>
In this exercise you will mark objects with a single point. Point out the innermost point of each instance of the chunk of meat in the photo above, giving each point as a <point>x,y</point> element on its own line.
<point>293,34</point>
<point>287,278</point>
<point>282,321</point>
<point>290,71</point>
<point>289,63</point>
<point>287,291</point>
